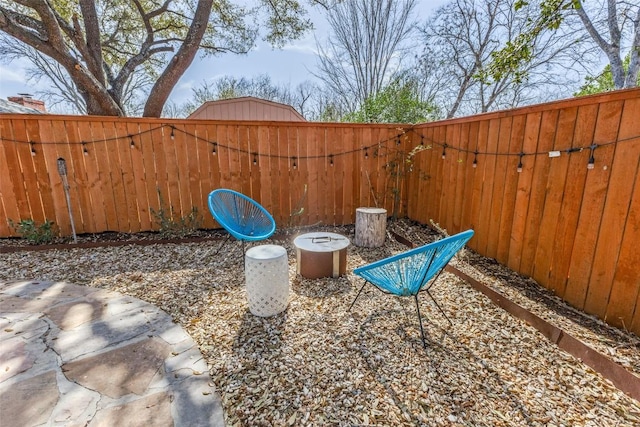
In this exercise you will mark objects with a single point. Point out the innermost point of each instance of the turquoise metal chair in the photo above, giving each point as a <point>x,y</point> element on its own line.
<point>244,218</point>
<point>413,271</point>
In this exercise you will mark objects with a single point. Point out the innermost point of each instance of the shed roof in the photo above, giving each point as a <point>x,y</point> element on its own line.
<point>246,108</point>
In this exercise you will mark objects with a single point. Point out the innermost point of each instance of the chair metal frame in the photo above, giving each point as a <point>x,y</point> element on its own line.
<point>244,218</point>
<point>413,271</point>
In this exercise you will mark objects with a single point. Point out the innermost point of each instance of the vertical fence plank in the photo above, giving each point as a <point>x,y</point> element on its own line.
<point>523,192</point>
<point>497,185</point>
<point>203,172</point>
<point>469,175</point>
<point>576,174</point>
<point>535,212</point>
<point>616,211</point>
<point>483,140</point>
<point>41,173</point>
<point>182,142</point>
<point>625,289</point>
<point>86,180</point>
<point>12,176</point>
<point>553,188</point>
<point>510,188</point>
<point>138,185</point>
<point>485,220</point>
<point>128,212</point>
<point>593,200</point>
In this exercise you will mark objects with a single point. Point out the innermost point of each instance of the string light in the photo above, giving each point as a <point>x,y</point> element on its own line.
<point>475,159</point>
<point>366,153</point>
<point>255,158</point>
<point>422,140</point>
<point>84,148</point>
<point>444,151</point>
<point>592,160</point>
<point>172,134</point>
<point>133,144</point>
<point>215,146</point>
<point>295,165</point>
<point>331,159</point>
<point>33,150</point>
<point>520,162</point>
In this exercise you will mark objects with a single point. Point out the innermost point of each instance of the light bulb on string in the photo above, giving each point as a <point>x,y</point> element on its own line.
<point>84,149</point>
<point>592,160</point>
<point>520,163</point>
<point>173,136</point>
<point>214,151</point>
<point>331,159</point>
<point>475,159</point>
<point>444,151</point>
<point>366,153</point>
<point>295,164</point>
<point>255,158</point>
<point>33,150</point>
<point>132,142</point>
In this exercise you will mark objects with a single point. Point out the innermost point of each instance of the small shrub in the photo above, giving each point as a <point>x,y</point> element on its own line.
<point>36,234</point>
<point>173,226</point>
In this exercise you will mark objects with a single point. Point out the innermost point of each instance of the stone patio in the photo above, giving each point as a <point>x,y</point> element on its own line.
<point>79,356</point>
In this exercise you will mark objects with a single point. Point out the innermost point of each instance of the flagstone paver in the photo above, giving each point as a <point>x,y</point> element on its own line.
<point>73,355</point>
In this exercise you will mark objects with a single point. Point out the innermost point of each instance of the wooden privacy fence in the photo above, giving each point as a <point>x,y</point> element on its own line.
<point>573,229</point>
<point>121,171</point>
<point>570,218</point>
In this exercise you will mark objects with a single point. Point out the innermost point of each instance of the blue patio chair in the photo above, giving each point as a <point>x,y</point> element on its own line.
<point>241,216</point>
<point>413,271</point>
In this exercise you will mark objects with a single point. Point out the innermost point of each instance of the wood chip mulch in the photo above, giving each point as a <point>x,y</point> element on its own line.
<point>319,364</point>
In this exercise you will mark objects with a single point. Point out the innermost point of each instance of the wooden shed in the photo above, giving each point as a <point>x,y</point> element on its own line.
<point>246,108</point>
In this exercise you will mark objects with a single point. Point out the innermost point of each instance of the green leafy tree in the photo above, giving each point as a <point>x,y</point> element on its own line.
<point>101,44</point>
<point>398,102</point>
<point>609,27</point>
<point>603,82</point>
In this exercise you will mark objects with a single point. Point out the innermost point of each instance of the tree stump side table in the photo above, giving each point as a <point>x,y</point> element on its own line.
<point>371,227</point>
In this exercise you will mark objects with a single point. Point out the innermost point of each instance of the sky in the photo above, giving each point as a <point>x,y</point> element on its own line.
<point>290,65</point>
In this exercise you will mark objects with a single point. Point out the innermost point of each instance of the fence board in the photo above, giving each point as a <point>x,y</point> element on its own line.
<point>9,187</point>
<point>592,207</point>
<point>470,176</point>
<point>535,212</point>
<point>576,174</point>
<point>510,188</point>
<point>136,157</point>
<point>615,214</point>
<point>556,178</point>
<point>497,186</point>
<point>53,188</point>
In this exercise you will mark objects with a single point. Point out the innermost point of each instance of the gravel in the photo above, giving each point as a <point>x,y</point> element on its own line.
<point>319,364</point>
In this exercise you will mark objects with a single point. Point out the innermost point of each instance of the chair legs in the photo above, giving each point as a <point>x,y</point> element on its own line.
<point>424,342</point>
<point>225,242</point>
<point>359,292</point>
<point>439,308</point>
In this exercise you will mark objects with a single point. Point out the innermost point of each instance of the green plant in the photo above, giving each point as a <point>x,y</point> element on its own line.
<point>174,226</point>
<point>36,234</point>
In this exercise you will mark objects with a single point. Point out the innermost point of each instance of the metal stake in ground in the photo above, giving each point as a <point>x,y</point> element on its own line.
<point>62,170</point>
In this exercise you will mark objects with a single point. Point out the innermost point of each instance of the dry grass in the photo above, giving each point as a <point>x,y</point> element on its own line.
<point>318,364</point>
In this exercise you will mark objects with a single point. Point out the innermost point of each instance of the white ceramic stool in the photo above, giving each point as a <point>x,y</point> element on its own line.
<point>267,277</point>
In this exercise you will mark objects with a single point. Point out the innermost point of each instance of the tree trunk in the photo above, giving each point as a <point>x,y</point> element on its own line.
<point>180,62</point>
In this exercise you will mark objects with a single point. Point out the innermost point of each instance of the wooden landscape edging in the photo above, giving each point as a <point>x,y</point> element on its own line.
<point>617,374</point>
